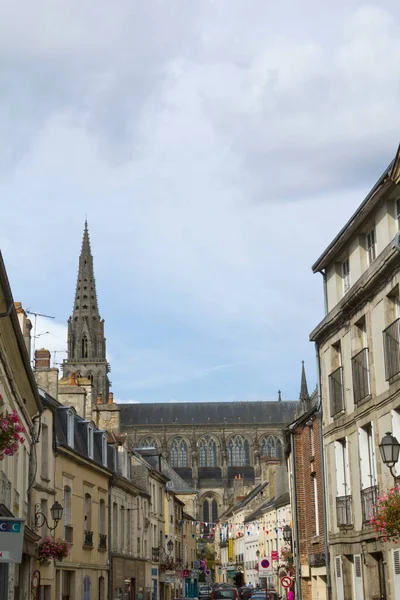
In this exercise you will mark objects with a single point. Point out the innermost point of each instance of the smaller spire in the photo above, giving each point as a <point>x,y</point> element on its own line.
<point>304,395</point>
<point>279,396</point>
<point>85,240</point>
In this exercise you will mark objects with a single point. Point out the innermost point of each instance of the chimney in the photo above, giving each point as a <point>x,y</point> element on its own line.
<point>110,398</point>
<point>25,325</point>
<point>42,359</point>
<point>99,399</point>
<point>73,379</point>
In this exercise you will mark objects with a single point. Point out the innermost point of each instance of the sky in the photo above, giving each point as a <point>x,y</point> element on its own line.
<point>216,147</point>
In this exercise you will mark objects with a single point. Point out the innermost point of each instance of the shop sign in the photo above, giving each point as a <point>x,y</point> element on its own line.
<point>186,573</point>
<point>11,540</point>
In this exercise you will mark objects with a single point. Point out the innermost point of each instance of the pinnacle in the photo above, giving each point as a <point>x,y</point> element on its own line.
<point>304,395</point>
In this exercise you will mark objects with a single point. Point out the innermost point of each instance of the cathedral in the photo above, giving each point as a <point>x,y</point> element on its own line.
<point>218,448</point>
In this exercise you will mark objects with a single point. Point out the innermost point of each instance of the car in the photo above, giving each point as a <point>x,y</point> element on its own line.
<point>245,592</point>
<point>225,593</point>
<point>204,592</point>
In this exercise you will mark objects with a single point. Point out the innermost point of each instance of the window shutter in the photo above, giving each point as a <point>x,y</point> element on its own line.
<point>347,467</point>
<point>339,578</point>
<point>340,477</point>
<point>373,466</point>
<point>396,573</point>
<point>357,578</point>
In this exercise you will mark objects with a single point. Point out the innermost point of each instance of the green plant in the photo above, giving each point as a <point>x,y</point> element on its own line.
<point>49,548</point>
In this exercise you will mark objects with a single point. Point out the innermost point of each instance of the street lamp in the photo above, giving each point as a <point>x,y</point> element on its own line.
<point>170,546</point>
<point>390,450</point>
<point>287,534</point>
<point>258,553</point>
<point>56,512</point>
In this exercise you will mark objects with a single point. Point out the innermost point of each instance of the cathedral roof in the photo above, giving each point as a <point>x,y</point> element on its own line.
<point>190,413</point>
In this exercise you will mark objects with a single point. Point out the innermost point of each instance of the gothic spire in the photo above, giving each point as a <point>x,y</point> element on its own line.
<point>85,295</point>
<point>304,395</point>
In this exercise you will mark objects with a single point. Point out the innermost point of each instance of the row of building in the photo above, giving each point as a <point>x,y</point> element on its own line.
<point>94,517</point>
<point>336,471</point>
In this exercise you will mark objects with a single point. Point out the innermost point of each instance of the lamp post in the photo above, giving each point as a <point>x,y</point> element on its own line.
<point>56,512</point>
<point>390,450</point>
<point>258,565</point>
<point>287,535</point>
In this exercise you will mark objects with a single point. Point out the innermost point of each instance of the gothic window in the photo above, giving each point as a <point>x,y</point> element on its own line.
<point>148,443</point>
<point>84,347</point>
<point>263,447</point>
<point>206,511</point>
<point>207,452</point>
<point>214,511</point>
<point>238,452</point>
<point>178,453</point>
<point>278,448</point>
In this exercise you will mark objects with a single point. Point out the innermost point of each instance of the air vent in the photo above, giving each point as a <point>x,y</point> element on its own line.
<point>396,560</point>
<point>338,567</point>
<point>357,565</point>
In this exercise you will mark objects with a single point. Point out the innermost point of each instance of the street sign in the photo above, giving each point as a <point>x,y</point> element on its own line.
<point>208,572</point>
<point>274,555</point>
<point>286,581</point>
<point>264,565</point>
<point>11,539</point>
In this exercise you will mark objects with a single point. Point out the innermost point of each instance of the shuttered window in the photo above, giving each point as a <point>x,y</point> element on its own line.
<point>339,578</point>
<point>396,570</point>
<point>357,578</point>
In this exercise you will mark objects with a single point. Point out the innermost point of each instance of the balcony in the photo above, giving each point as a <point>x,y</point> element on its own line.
<point>155,554</point>
<point>102,541</point>
<point>68,533</point>
<point>391,341</point>
<point>359,364</point>
<point>368,501</point>
<point>343,511</point>
<point>336,391</point>
<point>88,539</point>
<point>5,491</point>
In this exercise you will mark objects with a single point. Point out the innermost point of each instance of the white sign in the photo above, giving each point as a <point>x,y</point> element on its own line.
<point>11,539</point>
<point>286,581</point>
<point>264,564</point>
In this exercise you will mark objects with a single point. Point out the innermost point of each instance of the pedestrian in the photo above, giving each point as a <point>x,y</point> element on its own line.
<point>290,595</point>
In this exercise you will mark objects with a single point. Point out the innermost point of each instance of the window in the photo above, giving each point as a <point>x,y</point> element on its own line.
<point>90,441</point>
<point>278,448</point>
<point>336,395</point>
<point>207,452</point>
<point>102,517</point>
<point>138,546</point>
<point>346,275</point>
<point>45,451</point>
<point>178,453</point>
<point>397,213</point>
<point>148,443</point>
<point>68,513</point>
<point>70,427</point>
<point>312,444</point>
<point>122,528</point>
<point>238,452</point>
<point>44,511</point>
<point>84,347</point>
<point>360,362</point>
<point>115,526</point>
<point>371,245</point>
<point>86,587</point>
<point>87,512</point>
<point>104,449</point>
<point>214,511</point>
<point>343,492</point>
<point>368,471</point>
<point>316,511</point>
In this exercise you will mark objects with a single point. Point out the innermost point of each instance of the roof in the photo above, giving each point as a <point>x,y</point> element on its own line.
<point>245,501</point>
<point>354,221</point>
<point>175,482</point>
<point>189,413</point>
<point>282,500</point>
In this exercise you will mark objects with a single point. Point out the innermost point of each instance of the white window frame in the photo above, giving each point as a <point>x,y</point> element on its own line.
<point>90,441</point>
<point>71,428</point>
<point>346,275</point>
<point>367,456</point>
<point>343,487</point>
<point>370,244</point>
<point>316,508</point>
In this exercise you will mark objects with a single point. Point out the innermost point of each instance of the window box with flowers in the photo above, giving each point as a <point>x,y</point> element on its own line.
<point>385,517</point>
<point>10,434</point>
<point>50,548</point>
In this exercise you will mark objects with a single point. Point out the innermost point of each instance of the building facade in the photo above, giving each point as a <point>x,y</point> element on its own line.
<point>359,354</point>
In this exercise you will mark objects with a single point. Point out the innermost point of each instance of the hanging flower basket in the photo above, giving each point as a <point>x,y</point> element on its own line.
<point>386,516</point>
<point>10,434</point>
<point>50,548</point>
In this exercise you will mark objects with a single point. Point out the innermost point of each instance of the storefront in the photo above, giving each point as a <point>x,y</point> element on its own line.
<point>128,578</point>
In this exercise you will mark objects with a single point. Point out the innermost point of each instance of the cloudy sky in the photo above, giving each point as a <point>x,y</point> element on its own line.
<point>216,147</point>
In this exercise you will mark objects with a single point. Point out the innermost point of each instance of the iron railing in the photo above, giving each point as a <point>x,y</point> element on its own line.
<point>69,533</point>
<point>5,491</point>
<point>344,514</point>
<point>359,364</point>
<point>391,345</point>
<point>88,539</point>
<point>102,541</point>
<point>336,391</point>
<point>368,502</point>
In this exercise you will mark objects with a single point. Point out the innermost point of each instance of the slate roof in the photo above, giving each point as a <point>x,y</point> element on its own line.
<point>175,483</point>
<point>189,413</point>
<point>282,500</point>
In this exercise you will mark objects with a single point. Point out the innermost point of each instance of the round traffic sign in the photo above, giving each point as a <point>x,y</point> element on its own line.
<point>265,563</point>
<point>286,581</point>
<point>208,572</point>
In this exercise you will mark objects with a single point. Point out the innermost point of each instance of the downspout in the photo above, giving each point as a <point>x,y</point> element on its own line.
<point>110,577</point>
<point>323,475</point>
<point>296,522</point>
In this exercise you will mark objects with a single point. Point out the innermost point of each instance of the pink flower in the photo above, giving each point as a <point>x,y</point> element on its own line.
<point>4,424</point>
<point>7,451</point>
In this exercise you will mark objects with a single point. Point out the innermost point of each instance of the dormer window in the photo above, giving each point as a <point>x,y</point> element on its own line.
<point>90,441</point>
<point>371,245</point>
<point>70,428</point>
<point>104,449</point>
<point>346,275</point>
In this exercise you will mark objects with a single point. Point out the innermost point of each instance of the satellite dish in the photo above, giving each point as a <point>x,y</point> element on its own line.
<point>396,241</point>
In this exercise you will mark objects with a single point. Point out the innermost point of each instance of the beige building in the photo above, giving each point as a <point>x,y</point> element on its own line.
<point>359,353</point>
<point>17,392</point>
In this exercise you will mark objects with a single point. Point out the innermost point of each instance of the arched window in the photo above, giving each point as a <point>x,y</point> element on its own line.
<point>86,587</point>
<point>84,348</point>
<point>238,452</point>
<point>207,452</point>
<point>271,447</point>
<point>178,453</point>
<point>263,447</point>
<point>148,443</point>
<point>278,448</point>
<point>214,511</point>
<point>206,511</point>
<point>101,588</point>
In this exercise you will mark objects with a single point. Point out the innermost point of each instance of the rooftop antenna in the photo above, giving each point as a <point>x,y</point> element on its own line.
<point>55,352</point>
<point>36,315</point>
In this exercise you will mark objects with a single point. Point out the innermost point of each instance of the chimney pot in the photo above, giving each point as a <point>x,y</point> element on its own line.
<point>73,379</point>
<point>110,398</point>
<point>99,399</point>
<point>42,359</point>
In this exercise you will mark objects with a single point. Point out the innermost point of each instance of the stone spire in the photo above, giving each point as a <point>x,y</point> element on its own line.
<point>86,341</point>
<point>304,395</point>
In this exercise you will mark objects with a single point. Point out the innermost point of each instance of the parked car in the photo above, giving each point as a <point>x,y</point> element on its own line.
<point>262,595</point>
<point>230,593</point>
<point>204,592</point>
<point>245,592</point>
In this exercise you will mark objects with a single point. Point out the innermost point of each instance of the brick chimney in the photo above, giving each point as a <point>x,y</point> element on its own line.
<point>25,325</point>
<point>42,359</point>
<point>110,399</point>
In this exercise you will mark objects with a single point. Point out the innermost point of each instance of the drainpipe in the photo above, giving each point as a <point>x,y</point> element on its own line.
<point>296,523</point>
<point>323,475</point>
<point>110,578</point>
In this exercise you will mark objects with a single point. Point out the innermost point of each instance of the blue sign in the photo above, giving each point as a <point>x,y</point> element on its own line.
<point>265,563</point>
<point>10,527</point>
